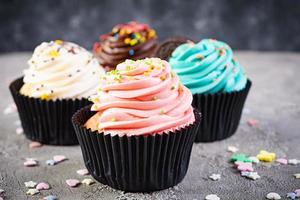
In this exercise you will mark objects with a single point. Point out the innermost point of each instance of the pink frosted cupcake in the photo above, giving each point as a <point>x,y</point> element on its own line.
<point>138,134</point>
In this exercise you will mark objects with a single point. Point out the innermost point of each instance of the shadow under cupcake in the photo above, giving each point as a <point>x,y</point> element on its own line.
<point>60,78</point>
<point>217,81</point>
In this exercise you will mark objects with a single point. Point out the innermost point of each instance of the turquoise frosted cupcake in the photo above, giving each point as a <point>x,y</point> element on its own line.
<point>218,83</point>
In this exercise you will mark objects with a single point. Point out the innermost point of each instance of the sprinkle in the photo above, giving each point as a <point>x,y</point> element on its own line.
<point>266,156</point>
<point>293,161</point>
<point>11,108</point>
<point>254,159</point>
<point>154,98</point>
<point>50,197</point>
<point>282,161</point>
<point>113,119</point>
<point>58,41</point>
<point>151,33</point>
<point>172,74</point>
<point>232,149</point>
<point>19,130</point>
<point>30,163</point>
<point>72,182</point>
<point>239,157</point>
<point>221,52</point>
<point>291,195</point>
<point>59,158</point>
<point>131,52</point>
<point>297,191</point>
<point>199,56</point>
<point>273,195</point>
<point>162,112</point>
<point>242,166</point>
<point>127,40</point>
<point>297,176</point>
<point>87,181</point>
<point>32,192</point>
<point>133,42</point>
<point>43,186</point>
<point>33,145</point>
<point>252,122</point>
<point>30,184</point>
<point>215,177</point>
<point>53,53</point>
<point>163,77</point>
<point>173,87</point>
<point>212,197</point>
<point>250,175</point>
<point>146,73</point>
<point>50,162</point>
<point>82,172</point>
<point>44,97</point>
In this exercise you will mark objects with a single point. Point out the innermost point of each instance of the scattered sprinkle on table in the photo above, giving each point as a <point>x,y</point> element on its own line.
<point>32,191</point>
<point>297,191</point>
<point>72,182</point>
<point>212,197</point>
<point>252,122</point>
<point>30,184</point>
<point>43,186</point>
<point>59,158</point>
<point>33,145</point>
<point>254,159</point>
<point>88,181</point>
<point>30,162</point>
<point>291,195</point>
<point>232,149</point>
<point>50,162</point>
<point>297,176</point>
<point>250,175</point>
<point>82,172</point>
<point>273,195</point>
<point>239,157</point>
<point>293,161</point>
<point>282,161</point>
<point>50,197</point>
<point>266,156</point>
<point>19,131</point>
<point>11,108</point>
<point>215,177</point>
<point>242,166</point>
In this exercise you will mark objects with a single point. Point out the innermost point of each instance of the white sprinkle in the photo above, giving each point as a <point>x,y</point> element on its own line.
<point>232,149</point>
<point>215,177</point>
<point>212,197</point>
<point>254,159</point>
<point>273,195</point>
<point>11,108</point>
<point>293,161</point>
<point>19,131</point>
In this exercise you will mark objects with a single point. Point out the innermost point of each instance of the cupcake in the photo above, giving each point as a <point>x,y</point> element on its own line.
<point>138,134</point>
<point>60,78</point>
<point>132,40</point>
<point>218,83</point>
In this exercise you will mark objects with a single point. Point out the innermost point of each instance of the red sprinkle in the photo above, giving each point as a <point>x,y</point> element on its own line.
<point>252,122</point>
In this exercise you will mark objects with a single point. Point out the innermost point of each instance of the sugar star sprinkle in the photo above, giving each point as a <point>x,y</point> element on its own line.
<point>32,192</point>
<point>72,182</point>
<point>33,145</point>
<point>282,161</point>
<point>43,186</point>
<point>297,176</point>
<point>59,158</point>
<point>11,108</point>
<point>254,159</point>
<point>30,184</point>
<point>297,191</point>
<point>19,131</point>
<point>252,122</point>
<point>232,149</point>
<point>273,195</point>
<point>266,156</point>
<point>242,166</point>
<point>215,177</point>
<point>293,161</point>
<point>82,172</point>
<point>212,197</point>
<point>87,181</point>
<point>50,162</point>
<point>250,175</point>
<point>239,157</point>
<point>50,197</point>
<point>30,162</point>
<point>291,195</point>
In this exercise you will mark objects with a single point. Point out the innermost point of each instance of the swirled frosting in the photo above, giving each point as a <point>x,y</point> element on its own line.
<point>59,70</point>
<point>208,67</point>
<point>132,40</point>
<point>141,97</point>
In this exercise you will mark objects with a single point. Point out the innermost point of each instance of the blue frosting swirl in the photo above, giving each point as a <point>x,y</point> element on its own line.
<point>208,67</point>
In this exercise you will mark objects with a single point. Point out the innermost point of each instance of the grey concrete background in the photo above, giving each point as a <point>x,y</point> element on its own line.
<point>247,24</point>
<point>273,100</point>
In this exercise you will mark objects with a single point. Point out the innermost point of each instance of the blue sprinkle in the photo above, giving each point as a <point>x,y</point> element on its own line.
<point>50,197</point>
<point>50,162</point>
<point>291,195</point>
<point>131,52</point>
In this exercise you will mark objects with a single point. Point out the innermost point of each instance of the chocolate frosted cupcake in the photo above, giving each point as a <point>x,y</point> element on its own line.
<point>218,84</point>
<point>132,40</point>
<point>138,134</point>
<point>60,78</point>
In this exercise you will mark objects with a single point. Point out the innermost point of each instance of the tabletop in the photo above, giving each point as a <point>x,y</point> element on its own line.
<point>273,102</point>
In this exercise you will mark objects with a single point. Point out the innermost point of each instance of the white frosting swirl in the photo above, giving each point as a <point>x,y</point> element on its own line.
<point>59,70</point>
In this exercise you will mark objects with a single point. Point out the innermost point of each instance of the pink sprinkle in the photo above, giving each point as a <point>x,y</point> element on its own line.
<point>252,122</point>
<point>242,166</point>
<point>82,172</point>
<point>30,163</point>
<point>11,108</point>
<point>19,130</point>
<point>297,191</point>
<point>43,186</point>
<point>59,158</point>
<point>1,198</point>
<point>282,161</point>
<point>72,182</point>
<point>33,145</point>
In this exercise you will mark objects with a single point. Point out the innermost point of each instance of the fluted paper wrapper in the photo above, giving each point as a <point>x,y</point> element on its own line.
<point>221,113</point>
<point>46,121</point>
<point>135,163</point>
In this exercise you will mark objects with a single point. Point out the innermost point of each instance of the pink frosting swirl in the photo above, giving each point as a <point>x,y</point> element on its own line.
<point>141,97</point>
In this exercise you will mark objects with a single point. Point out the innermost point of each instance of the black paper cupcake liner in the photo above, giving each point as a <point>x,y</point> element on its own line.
<point>46,121</point>
<point>136,163</point>
<point>221,113</point>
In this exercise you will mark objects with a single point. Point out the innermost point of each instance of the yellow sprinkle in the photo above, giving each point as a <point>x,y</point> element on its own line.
<point>266,156</point>
<point>152,67</point>
<point>151,33</point>
<point>113,119</point>
<point>133,42</point>
<point>58,41</point>
<point>142,39</point>
<point>53,53</point>
<point>138,35</point>
<point>172,74</point>
<point>44,96</point>
<point>163,77</point>
<point>127,40</point>
<point>146,74</point>
<point>122,32</point>
<point>158,68</point>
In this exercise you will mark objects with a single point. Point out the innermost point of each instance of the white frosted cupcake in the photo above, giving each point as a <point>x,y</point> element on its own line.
<point>60,78</point>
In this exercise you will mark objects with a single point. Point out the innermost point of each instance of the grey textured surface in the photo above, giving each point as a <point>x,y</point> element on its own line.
<point>248,24</point>
<point>273,100</point>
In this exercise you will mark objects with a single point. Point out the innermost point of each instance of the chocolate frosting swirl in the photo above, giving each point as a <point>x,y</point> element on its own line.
<point>132,40</point>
